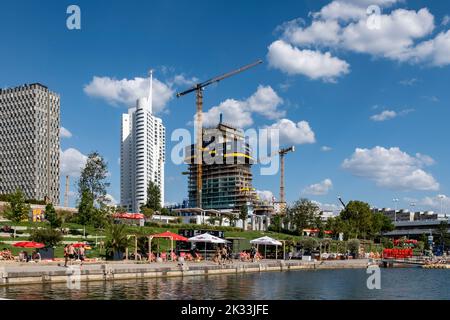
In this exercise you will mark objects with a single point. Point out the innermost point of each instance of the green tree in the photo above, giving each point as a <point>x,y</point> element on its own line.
<point>243,214</point>
<point>86,208</point>
<point>276,223</point>
<point>302,214</point>
<point>153,197</point>
<point>92,185</point>
<point>147,212</point>
<point>116,238</point>
<point>380,224</point>
<point>353,246</point>
<point>93,178</point>
<point>309,244</point>
<point>50,237</point>
<point>52,217</point>
<point>17,209</point>
<point>442,234</point>
<point>358,219</point>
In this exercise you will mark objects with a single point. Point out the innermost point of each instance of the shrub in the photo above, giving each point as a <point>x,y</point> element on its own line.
<point>353,246</point>
<point>50,237</point>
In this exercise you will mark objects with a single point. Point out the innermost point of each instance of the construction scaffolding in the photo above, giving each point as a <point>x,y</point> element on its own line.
<point>226,183</point>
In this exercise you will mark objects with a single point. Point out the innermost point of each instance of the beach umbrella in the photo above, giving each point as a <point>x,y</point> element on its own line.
<point>29,244</point>
<point>169,235</point>
<point>207,238</point>
<point>267,241</point>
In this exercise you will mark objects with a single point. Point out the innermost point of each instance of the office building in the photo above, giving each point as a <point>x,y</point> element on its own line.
<point>29,142</point>
<point>142,154</point>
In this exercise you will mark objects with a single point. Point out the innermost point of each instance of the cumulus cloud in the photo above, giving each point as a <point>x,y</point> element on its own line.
<point>182,80</point>
<point>326,148</point>
<point>336,209</point>
<point>64,133</point>
<point>319,189</point>
<point>265,101</point>
<point>343,25</point>
<point>392,168</point>
<point>311,63</point>
<point>72,162</point>
<point>389,114</point>
<point>383,116</point>
<point>265,195</point>
<point>436,202</point>
<point>111,200</point>
<point>409,82</point>
<point>294,133</point>
<point>125,92</point>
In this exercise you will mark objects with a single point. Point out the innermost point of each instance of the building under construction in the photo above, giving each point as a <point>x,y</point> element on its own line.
<point>226,170</point>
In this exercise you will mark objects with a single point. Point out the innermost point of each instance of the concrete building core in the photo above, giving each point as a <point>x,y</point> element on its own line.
<point>226,170</point>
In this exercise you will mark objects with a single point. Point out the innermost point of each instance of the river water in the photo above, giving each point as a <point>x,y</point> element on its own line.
<point>408,283</point>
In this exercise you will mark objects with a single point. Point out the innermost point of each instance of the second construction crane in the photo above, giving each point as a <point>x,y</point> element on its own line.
<point>198,88</point>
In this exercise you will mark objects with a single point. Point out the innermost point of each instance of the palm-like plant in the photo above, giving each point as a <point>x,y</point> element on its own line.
<point>116,238</point>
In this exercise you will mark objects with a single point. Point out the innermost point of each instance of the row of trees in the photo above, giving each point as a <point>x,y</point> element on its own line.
<point>356,220</point>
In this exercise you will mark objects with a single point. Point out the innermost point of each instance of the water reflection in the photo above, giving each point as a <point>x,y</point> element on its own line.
<point>322,284</point>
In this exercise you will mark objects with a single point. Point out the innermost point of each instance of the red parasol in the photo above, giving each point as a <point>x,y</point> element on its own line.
<point>170,235</point>
<point>136,216</point>
<point>29,244</point>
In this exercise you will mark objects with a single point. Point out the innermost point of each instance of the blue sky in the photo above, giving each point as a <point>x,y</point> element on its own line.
<point>383,91</point>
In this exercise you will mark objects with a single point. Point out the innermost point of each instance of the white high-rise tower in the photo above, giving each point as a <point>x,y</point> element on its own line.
<point>142,153</point>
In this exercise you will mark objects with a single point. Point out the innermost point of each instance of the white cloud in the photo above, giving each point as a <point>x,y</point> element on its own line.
<point>313,64</point>
<point>328,207</point>
<point>434,51</point>
<point>342,25</point>
<point>446,20</point>
<point>111,200</point>
<point>265,101</point>
<point>125,92</point>
<point>409,82</point>
<point>392,168</point>
<point>389,114</point>
<point>383,116</point>
<point>72,162</point>
<point>294,133</point>
<point>181,80</point>
<point>326,149</point>
<point>346,10</point>
<point>319,189</point>
<point>64,133</point>
<point>265,195</point>
<point>435,203</point>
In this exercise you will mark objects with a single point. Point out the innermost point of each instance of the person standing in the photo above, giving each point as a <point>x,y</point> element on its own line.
<point>66,254</point>
<point>71,250</point>
<point>81,254</point>
<point>253,253</point>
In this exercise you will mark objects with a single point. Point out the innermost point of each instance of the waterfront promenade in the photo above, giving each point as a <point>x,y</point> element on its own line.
<point>26,273</point>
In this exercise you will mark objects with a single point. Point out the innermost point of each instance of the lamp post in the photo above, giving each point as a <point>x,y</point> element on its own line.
<point>395,200</point>
<point>441,198</point>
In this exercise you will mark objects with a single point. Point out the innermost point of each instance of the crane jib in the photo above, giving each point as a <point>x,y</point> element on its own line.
<point>217,79</point>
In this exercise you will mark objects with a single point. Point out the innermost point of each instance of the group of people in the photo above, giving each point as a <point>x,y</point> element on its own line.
<point>6,254</point>
<point>253,255</point>
<point>223,254</point>
<point>35,256</point>
<point>72,254</point>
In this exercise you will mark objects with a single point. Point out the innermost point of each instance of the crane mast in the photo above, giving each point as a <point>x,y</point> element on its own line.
<point>198,88</point>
